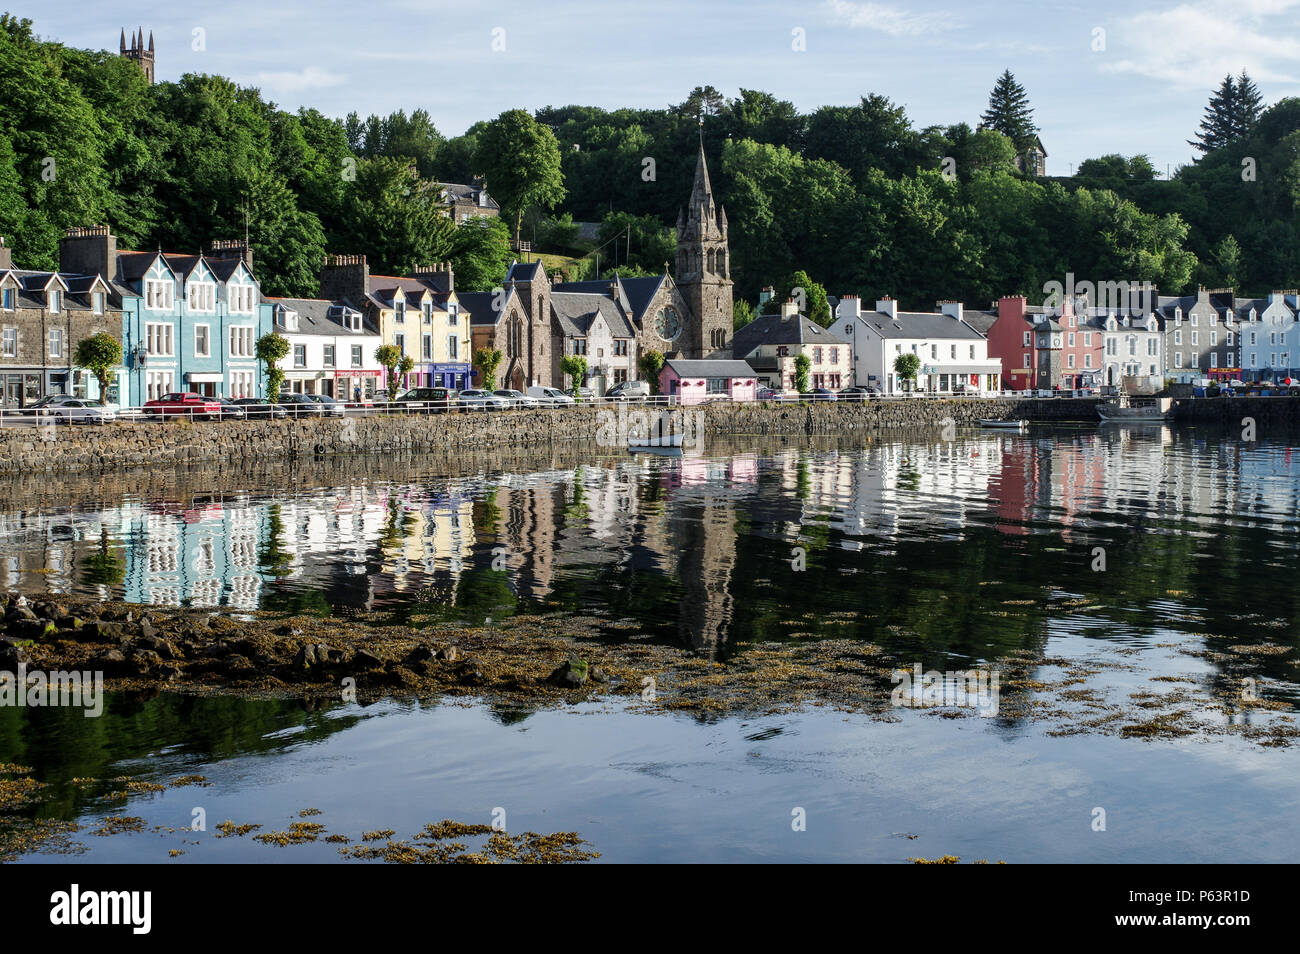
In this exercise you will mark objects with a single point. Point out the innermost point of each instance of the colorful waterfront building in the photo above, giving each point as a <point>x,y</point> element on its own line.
<point>189,322</point>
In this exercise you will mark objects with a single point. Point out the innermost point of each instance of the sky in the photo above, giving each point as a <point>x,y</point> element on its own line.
<point>1106,77</point>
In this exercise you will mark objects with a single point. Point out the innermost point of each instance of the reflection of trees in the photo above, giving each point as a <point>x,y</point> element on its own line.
<point>274,557</point>
<point>61,744</point>
<point>103,567</point>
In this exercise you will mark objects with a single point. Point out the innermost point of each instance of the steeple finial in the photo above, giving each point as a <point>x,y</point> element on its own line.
<point>122,47</point>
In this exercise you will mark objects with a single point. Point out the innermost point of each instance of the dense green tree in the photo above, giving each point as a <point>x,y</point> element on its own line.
<point>1009,112</point>
<point>520,159</point>
<point>1231,114</point>
<point>396,216</point>
<point>480,254</point>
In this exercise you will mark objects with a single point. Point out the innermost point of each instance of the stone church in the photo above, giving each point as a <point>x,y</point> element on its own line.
<point>139,52</point>
<point>535,322</point>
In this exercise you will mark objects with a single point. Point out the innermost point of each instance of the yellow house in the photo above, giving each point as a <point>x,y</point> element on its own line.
<point>421,315</point>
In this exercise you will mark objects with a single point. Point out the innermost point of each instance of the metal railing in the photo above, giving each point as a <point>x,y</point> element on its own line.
<point>91,414</point>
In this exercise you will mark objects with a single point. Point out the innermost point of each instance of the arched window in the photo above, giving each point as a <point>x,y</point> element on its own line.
<point>722,262</point>
<point>710,259</point>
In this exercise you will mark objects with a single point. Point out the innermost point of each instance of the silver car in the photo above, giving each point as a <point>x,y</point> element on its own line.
<point>516,398</point>
<point>76,411</point>
<point>475,399</point>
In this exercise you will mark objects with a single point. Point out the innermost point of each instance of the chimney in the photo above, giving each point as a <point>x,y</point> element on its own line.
<point>766,295</point>
<point>6,255</point>
<point>888,306</point>
<point>953,308</point>
<point>89,251</point>
<point>1011,306</point>
<point>789,308</point>
<point>438,274</point>
<point>345,277</point>
<point>850,306</point>
<point>231,248</point>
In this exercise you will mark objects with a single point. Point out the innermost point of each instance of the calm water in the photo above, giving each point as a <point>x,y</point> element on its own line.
<point>948,553</point>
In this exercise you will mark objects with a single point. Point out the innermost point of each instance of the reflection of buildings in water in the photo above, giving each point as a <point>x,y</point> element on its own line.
<point>893,490</point>
<point>705,538</point>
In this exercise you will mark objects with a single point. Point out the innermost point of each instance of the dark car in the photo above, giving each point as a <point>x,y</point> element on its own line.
<point>820,394</point>
<point>329,406</point>
<point>230,411</point>
<point>425,400</point>
<point>260,407</point>
<point>299,405</point>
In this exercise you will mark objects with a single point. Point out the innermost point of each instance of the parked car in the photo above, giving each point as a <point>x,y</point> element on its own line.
<point>629,391</point>
<point>516,398</point>
<point>768,394</point>
<point>546,395</point>
<point>299,405</point>
<point>230,411</point>
<point>426,400</point>
<point>857,392</point>
<point>584,392</point>
<point>184,404</point>
<point>78,411</point>
<point>329,406</point>
<point>474,399</point>
<point>260,407</point>
<point>820,394</point>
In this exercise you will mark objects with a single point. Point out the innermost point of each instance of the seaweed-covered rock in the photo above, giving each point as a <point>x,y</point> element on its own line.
<point>572,675</point>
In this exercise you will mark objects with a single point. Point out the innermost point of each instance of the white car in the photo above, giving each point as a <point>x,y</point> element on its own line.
<point>546,395</point>
<point>77,411</point>
<point>485,400</point>
<point>516,398</point>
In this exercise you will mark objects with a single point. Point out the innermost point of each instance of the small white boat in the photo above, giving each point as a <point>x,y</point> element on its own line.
<point>1158,410</point>
<point>662,441</point>
<point>1012,425</point>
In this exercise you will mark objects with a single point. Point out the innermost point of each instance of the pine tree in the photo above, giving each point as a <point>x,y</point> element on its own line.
<point>1217,127</point>
<point>1247,107</point>
<point>1009,112</point>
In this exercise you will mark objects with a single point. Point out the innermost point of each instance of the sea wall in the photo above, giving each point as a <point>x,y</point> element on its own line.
<point>151,444</point>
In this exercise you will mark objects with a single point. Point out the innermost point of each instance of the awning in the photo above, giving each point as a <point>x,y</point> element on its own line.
<point>992,367</point>
<point>203,377</point>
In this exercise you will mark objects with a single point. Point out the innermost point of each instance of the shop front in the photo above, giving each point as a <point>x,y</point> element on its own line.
<point>205,383</point>
<point>455,376</point>
<point>356,385</point>
<point>21,387</point>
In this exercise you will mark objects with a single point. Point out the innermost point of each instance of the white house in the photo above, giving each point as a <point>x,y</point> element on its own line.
<point>1270,336</point>
<point>331,349</point>
<point>954,356</point>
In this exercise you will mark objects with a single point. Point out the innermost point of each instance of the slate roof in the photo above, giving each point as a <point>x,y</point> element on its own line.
<point>777,329</point>
<point>523,271</point>
<point>917,324</point>
<point>468,193</point>
<point>314,317</point>
<point>479,306</point>
<point>719,368</point>
<point>637,292</point>
<point>981,321</point>
<point>575,312</point>
<point>32,284</point>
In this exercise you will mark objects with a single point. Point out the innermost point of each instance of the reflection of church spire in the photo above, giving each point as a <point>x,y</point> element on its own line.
<point>707,544</point>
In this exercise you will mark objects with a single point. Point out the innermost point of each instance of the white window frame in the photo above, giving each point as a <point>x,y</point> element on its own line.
<point>207,341</point>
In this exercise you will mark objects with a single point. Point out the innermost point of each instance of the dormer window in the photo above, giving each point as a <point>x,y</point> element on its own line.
<point>290,321</point>
<point>399,309</point>
<point>97,303</point>
<point>9,296</point>
<point>202,296</point>
<point>56,301</point>
<point>240,298</point>
<point>158,294</point>
<point>427,311</point>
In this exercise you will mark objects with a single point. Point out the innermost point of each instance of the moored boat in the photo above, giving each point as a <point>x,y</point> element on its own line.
<point>1015,425</point>
<point>1161,409</point>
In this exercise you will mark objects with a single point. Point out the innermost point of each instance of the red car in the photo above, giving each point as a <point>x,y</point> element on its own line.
<point>184,404</point>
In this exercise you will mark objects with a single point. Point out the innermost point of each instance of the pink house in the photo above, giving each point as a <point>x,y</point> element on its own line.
<point>694,382</point>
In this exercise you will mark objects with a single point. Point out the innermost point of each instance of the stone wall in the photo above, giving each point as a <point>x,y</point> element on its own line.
<point>173,443</point>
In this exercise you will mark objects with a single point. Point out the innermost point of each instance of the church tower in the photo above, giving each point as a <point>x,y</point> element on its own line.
<point>704,269</point>
<point>138,52</point>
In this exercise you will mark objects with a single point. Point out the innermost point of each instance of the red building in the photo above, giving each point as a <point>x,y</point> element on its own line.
<point>1041,350</point>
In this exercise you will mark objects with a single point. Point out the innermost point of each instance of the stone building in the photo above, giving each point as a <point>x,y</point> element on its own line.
<point>43,317</point>
<point>772,344</point>
<point>138,52</point>
<point>465,202</point>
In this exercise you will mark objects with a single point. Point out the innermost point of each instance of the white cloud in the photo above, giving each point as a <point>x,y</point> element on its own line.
<point>887,19</point>
<point>1196,44</point>
<point>288,83</point>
